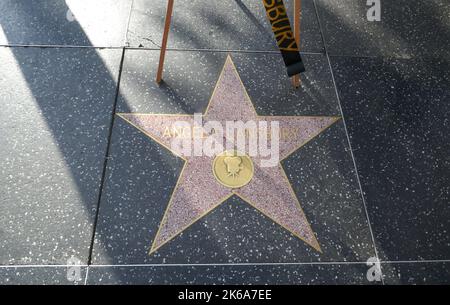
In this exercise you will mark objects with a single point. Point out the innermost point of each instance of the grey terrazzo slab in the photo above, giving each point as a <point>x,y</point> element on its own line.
<point>325,182</point>
<point>141,176</point>
<point>408,28</point>
<point>216,24</point>
<point>99,23</point>
<point>41,275</point>
<point>190,77</point>
<point>56,112</point>
<point>230,274</point>
<point>417,273</point>
<point>397,116</point>
<point>232,233</point>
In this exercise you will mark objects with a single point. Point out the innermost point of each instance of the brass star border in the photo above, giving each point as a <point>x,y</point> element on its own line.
<point>179,216</point>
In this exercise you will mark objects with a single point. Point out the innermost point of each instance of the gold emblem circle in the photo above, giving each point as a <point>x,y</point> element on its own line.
<point>233,169</point>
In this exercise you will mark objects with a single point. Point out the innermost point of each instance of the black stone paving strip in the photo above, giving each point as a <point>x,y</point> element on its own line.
<point>41,275</point>
<point>408,28</point>
<point>394,226</point>
<point>53,138</point>
<point>397,113</point>
<point>237,275</point>
<point>348,137</point>
<point>417,273</point>
<point>395,273</point>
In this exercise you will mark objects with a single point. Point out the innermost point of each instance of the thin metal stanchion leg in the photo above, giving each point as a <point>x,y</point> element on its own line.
<point>162,55</point>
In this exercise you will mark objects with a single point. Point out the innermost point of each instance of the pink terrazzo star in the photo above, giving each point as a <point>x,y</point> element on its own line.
<point>197,191</point>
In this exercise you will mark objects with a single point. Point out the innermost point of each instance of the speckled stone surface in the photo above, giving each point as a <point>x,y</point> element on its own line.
<point>216,24</point>
<point>40,275</point>
<point>417,273</point>
<point>231,274</point>
<point>100,23</point>
<point>392,78</point>
<point>408,28</point>
<point>397,114</point>
<point>56,111</point>
<point>190,77</point>
<point>141,175</point>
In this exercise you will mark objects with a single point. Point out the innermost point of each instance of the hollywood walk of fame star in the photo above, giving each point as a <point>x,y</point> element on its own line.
<point>198,192</point>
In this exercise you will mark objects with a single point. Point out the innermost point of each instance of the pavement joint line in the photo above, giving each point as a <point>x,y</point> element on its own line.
<point>106,157</point>
<point>86,275</point>
<point>128,23</point>
<point>230,264</point>
<point>219,50</point>
<point>44,46</point>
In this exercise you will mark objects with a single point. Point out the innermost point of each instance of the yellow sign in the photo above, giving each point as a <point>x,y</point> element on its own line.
<point>281,27</point>
<point>232,169</point>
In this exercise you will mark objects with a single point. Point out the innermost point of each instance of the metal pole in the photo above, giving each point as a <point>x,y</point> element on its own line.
<point>162,55</point>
